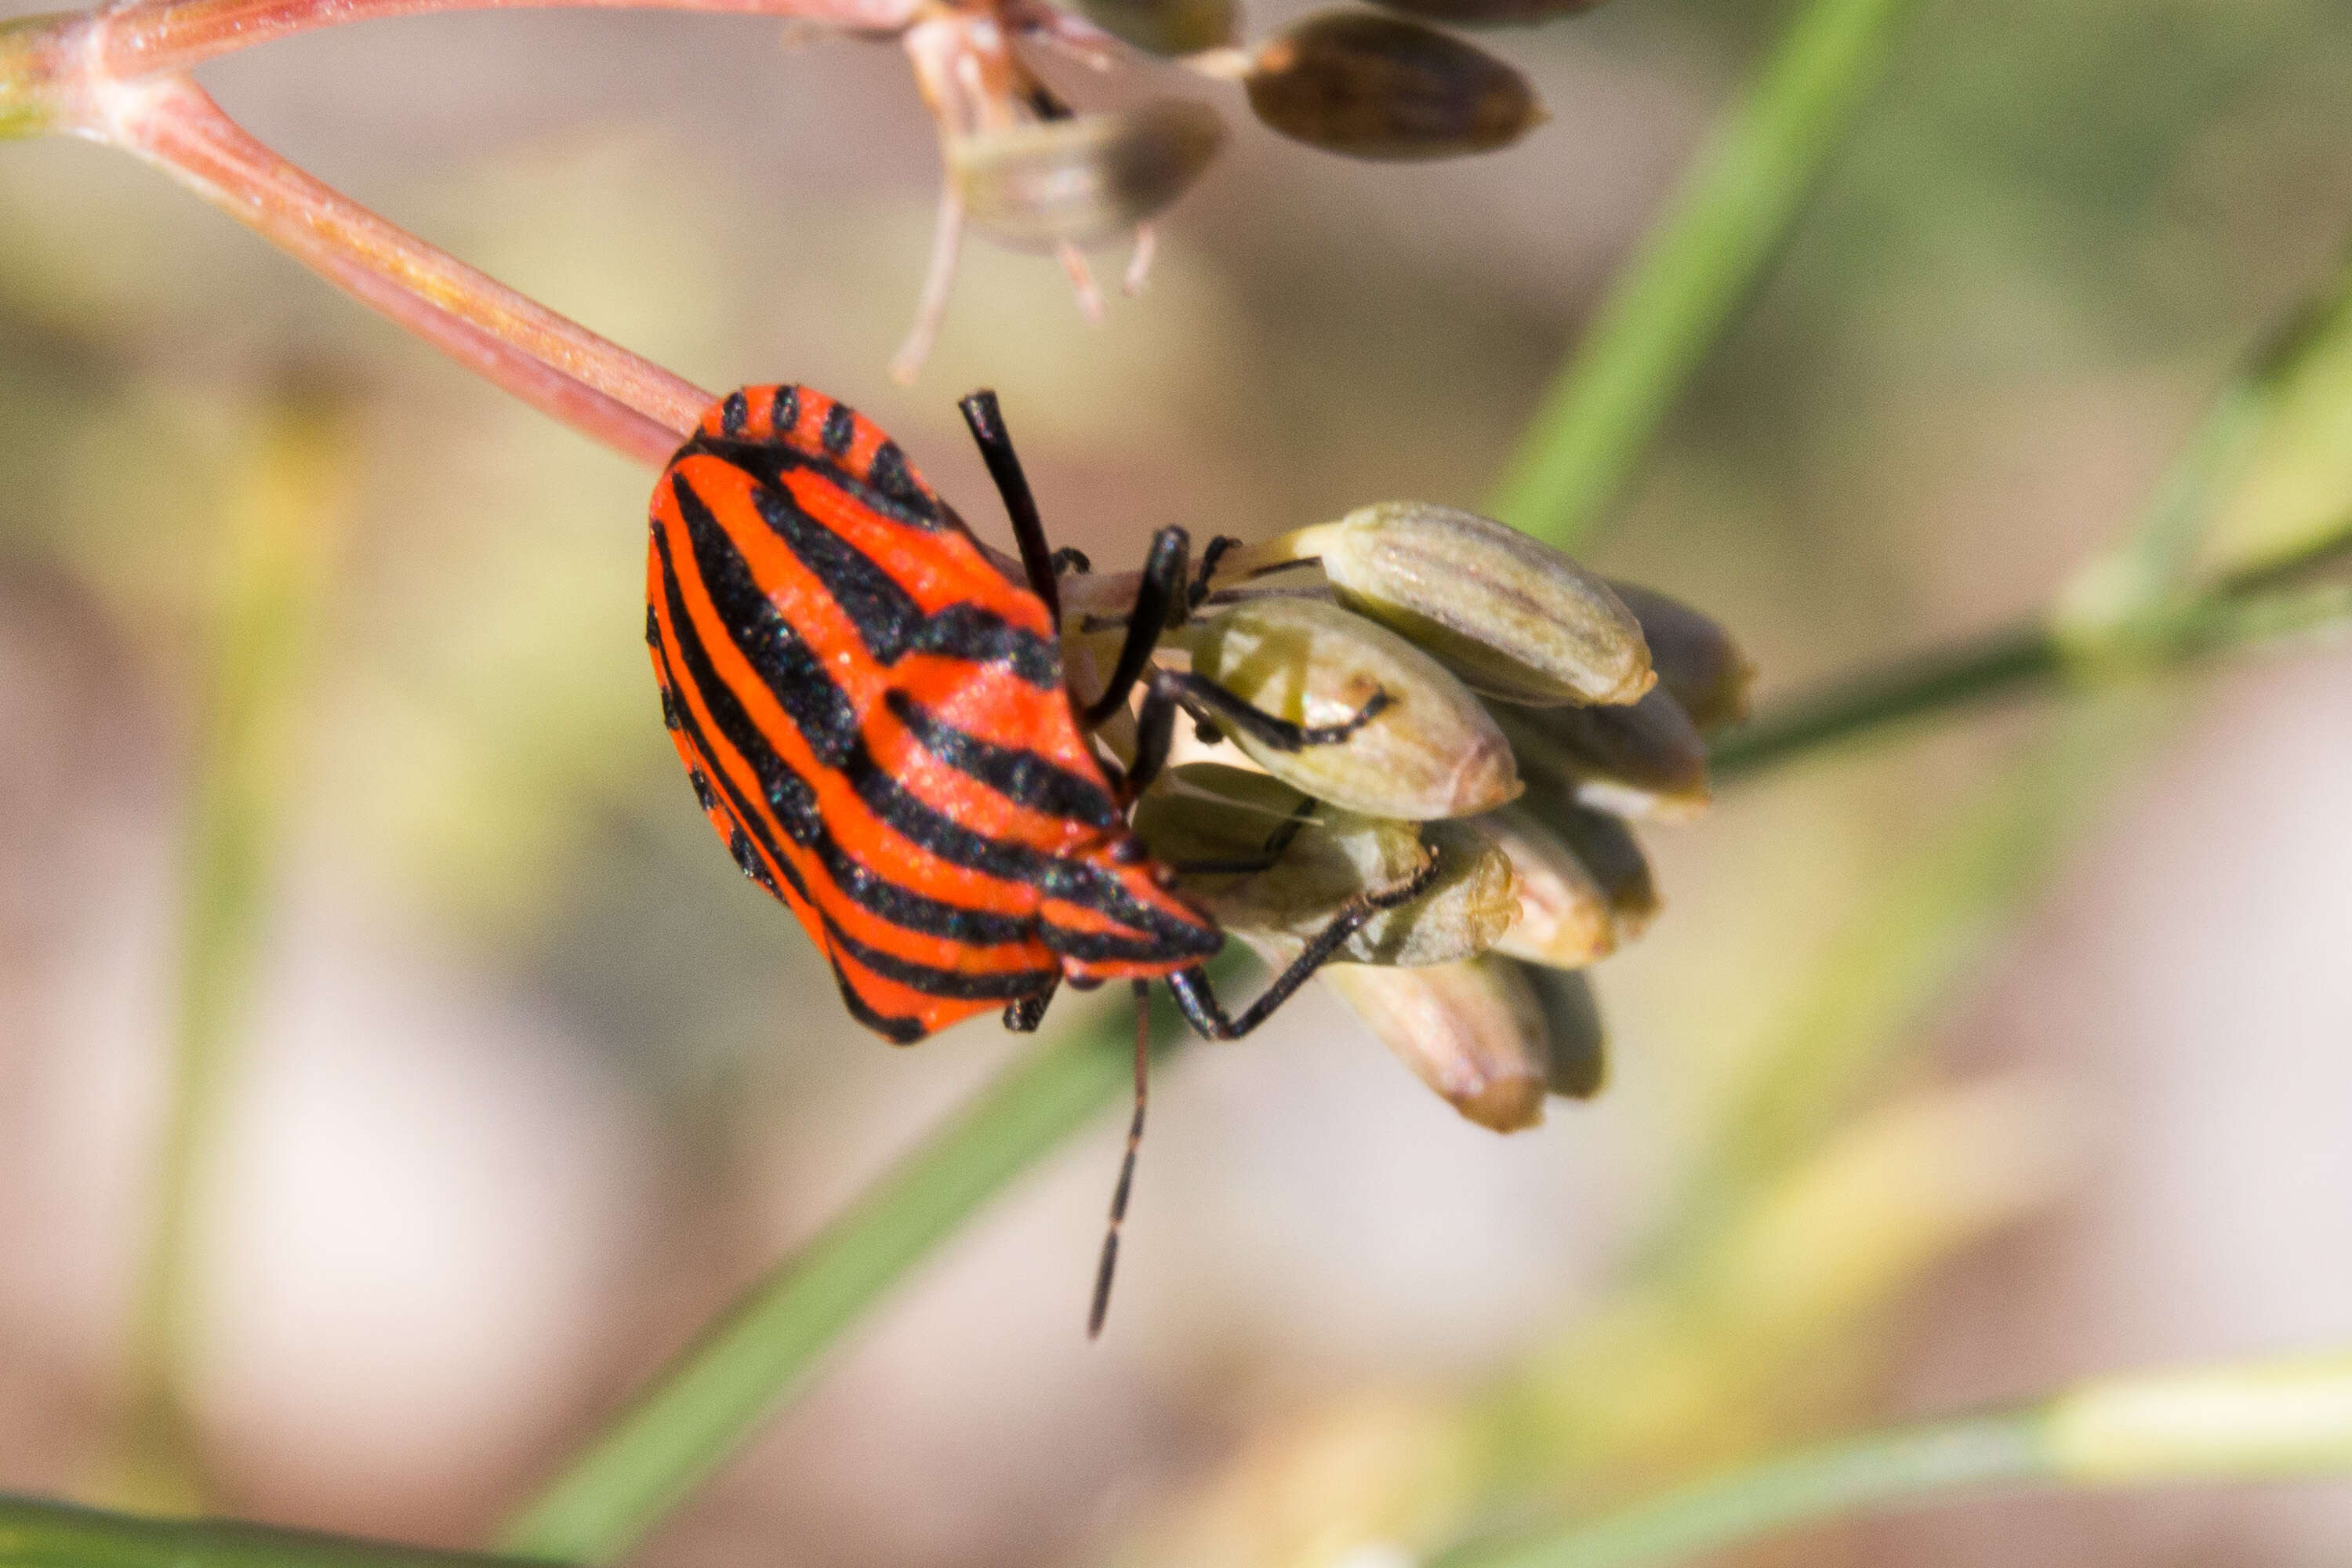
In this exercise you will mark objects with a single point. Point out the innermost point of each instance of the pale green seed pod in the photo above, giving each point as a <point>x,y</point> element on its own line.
<point>1379,87</point>
<point>1576,1046</point>
<point>1566,917</point>
<point>1695,658</point>
<point>1514,618</point>
<point>1084,180</point>
<point>1474,1032</point>
<point>1431,751</point>
<point>1165,27</point>
<point>1647,761</point>
<point>1313,869</point>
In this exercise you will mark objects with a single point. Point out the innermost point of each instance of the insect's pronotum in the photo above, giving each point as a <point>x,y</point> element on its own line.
<point>876,721</point>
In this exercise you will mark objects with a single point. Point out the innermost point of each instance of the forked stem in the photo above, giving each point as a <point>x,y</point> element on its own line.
<point>162,35</point>
<point>557,366</point>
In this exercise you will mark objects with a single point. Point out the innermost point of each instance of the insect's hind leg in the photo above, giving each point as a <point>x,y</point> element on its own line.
<point>1038,558</point>
<point>1198,1003</point>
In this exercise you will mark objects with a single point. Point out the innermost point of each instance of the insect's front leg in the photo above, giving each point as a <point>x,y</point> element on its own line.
<point>1038,558</point>
<point>1197,1001</point>
<point>1213,704</point>
<point>1164,571</point>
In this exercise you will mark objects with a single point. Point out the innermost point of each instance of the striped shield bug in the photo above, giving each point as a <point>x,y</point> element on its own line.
<point>874,718</point>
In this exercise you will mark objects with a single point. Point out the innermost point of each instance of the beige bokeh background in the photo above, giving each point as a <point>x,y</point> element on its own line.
<point>535,1081</point>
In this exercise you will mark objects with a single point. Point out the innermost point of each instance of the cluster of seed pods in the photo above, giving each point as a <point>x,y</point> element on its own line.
<point>1534,710</point>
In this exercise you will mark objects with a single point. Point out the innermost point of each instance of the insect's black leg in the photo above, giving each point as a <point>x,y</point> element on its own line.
<point>1126,1167</point>
<point>1163,579</point>
<point>1155,733</point>
<point>987,422</point>
<point>1201,1007</point>
<point>1023,1014</point>
<point>1215,552</point>
<point>1212,702</point>
<point>1069,558</point>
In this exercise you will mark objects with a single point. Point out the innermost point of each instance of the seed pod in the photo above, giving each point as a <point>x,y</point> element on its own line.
<point>1165,27</point>
<point>1695,658</point>
<point>1514,618</point>
<point>1313,869</point>
<point>1490,13</point>
<point>1474,1032</point>
<point>1646,760</point>
<point>1430,750</point>
<point>1577,1047</point>
<point>1379,87</point>
<point>1083,179</point>
<point>1565,919</point>
<point>1607,848</point>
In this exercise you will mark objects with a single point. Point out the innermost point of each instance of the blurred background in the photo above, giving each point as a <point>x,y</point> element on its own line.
<point>529,1081</point>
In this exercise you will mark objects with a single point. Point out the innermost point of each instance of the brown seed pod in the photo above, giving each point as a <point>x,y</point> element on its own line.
<point>1577,1046</point>
<point>1380,86</point>
<point>1644,761</point>
<point>1084,180</point>
<point>1166,27</point>
<point>1490,13</point>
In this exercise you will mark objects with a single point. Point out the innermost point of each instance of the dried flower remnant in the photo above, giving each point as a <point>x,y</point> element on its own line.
<point>1084,180</point>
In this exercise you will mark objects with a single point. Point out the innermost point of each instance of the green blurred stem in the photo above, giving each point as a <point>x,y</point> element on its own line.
<point>713,1395</point>
<point>1699,262</point>
<point>2266,1420</point>
<point>277,529</point>
<point>2257,606</point>
<point>40,1534</point>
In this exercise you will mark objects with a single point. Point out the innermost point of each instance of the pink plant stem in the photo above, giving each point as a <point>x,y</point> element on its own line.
<point>566,372</point>
<point>150,37</point>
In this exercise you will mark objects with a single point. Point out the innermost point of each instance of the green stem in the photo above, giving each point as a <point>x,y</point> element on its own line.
<point>2257,604</point>
<point>2265,1420</point>
<point>701,1406</point>
<point>1703,257</point>
<point>278,529</point>
<point>1829,1483</point>
<point>40,1534</point>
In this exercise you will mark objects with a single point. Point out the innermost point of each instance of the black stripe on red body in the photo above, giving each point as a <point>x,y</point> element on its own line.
<point>876,726</point>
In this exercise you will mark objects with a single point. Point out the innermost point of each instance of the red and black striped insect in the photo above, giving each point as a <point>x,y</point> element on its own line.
<point>875,720</point>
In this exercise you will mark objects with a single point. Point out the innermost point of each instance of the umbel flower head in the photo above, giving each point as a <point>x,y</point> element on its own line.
<point>1026,169</point>
<point>1531,710</point>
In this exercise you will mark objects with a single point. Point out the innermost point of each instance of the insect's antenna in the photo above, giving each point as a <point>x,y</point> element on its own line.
<point>1101,1307</point>
<point>987,423</point>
